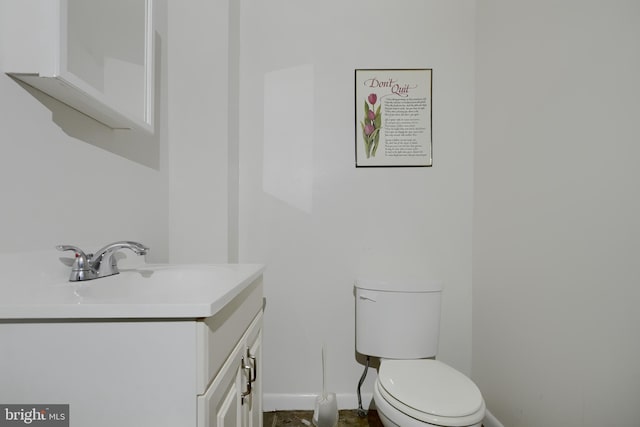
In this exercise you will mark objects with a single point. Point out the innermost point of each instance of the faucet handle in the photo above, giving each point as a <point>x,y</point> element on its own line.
<point>81,268</point>
<point>81,261</point>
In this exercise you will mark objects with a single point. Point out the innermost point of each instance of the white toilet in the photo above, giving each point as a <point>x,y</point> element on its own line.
<point>399,323</point>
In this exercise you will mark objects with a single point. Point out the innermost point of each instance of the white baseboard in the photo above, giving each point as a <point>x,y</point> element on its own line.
<point>490,420</point>
<point>307,402</point>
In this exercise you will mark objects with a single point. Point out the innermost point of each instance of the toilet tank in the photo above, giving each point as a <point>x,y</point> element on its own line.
<point>398,320</point>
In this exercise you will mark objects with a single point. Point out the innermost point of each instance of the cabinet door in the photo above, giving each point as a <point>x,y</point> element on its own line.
<point>234,398</point>
<point>252,404</point>
<point>220,406</point>
<point>107,47</point>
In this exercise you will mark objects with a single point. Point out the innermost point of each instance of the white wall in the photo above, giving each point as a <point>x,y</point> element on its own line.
<point>556,231</point>
<point>65,178</point>
<point>316,220</point>
<point>198,131</point>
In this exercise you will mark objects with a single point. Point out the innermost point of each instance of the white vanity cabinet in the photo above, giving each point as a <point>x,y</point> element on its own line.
<point>93,55</point>
<point>131,372</point>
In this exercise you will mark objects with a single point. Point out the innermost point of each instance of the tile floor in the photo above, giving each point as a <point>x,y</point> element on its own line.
<point>348,418</point>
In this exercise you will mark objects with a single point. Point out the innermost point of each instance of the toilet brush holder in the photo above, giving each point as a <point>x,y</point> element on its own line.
<point>325,413</point>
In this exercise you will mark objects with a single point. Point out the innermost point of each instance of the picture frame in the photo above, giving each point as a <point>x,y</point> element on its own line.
<point>393,117</point>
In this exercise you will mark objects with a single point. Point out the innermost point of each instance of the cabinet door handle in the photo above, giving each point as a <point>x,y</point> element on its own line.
<point>254,365</point>
<point>247,369</point>
<point>254,373</point>
<point>248,392</point>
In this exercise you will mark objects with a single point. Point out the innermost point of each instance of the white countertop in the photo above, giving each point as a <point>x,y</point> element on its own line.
<point>160,291</point>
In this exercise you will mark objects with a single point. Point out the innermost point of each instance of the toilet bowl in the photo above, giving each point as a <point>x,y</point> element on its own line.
<point>422,393</point>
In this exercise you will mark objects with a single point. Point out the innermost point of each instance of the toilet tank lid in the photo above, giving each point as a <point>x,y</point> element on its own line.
<point>401,285</point>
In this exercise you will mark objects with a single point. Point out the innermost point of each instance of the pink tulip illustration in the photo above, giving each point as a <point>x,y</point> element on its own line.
<point>368,129</point>
<point>371,125</point>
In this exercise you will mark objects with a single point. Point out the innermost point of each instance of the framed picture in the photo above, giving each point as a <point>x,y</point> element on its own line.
<point>393,117</point>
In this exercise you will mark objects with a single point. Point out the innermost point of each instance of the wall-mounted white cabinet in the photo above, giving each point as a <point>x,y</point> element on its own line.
<point>93,55</point>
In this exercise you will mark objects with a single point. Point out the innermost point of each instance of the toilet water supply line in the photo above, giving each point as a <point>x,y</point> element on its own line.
<point>361,411</point>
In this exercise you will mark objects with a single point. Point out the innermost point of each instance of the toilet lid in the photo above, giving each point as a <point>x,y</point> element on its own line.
<point>430,386</point>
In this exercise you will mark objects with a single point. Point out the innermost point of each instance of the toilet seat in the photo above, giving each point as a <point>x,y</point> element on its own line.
<point>430,391</point>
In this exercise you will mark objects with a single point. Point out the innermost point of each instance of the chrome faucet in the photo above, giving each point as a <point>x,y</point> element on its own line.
<point>101,264</point>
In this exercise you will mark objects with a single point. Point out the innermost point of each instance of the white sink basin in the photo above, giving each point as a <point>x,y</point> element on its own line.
<point>151,291</point>
<point>161,284</point>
